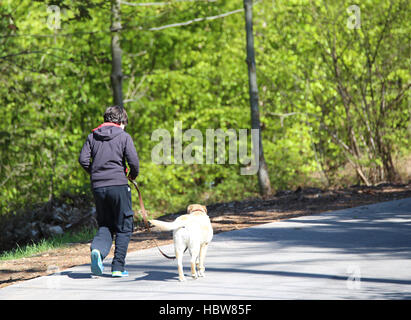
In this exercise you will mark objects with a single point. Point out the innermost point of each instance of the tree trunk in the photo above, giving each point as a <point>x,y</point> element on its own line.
<point>116,70</point>
<point>263,177</point>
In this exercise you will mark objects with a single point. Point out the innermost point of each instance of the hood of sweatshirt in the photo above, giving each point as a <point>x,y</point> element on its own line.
<point>107,131</point>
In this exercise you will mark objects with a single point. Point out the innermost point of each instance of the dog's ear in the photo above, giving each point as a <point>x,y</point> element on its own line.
<point>205,209</point>
<point>189,208</point>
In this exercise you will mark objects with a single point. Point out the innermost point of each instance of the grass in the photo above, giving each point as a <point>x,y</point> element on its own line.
<point>43,245</point>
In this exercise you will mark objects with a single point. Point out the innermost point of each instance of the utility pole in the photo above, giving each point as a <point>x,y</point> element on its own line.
<point>116,54</point>
<point>263,177</point>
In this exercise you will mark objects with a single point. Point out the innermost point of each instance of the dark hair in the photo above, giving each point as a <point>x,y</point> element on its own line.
<point>116,114</point>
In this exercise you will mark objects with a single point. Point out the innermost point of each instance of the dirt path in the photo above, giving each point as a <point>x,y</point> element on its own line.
<point>224,217</point>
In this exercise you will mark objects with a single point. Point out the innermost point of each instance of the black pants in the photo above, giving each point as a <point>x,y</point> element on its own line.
<point>115,218</point>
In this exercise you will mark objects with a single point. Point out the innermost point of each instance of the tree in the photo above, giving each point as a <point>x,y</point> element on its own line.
<point>343,89</point>
<point>263,177</point>
<point>116,54</point>
<point>364,66</point>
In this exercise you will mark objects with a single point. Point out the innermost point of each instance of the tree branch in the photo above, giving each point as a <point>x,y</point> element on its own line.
<point>195,20</point>
<point>149,4</point>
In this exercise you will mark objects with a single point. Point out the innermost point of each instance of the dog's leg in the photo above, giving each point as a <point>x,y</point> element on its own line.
<point>203,252</point>
<point>194,256</point>
<point>193,270</point>
<point>179,256</point>
<point>198,263</point>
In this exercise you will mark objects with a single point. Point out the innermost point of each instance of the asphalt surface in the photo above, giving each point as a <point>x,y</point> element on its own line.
<point>358,253</point>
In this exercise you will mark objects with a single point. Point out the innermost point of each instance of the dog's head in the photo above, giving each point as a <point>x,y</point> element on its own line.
<point>196,207</point>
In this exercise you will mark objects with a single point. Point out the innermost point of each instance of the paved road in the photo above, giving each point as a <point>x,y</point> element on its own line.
<point>359,253</point>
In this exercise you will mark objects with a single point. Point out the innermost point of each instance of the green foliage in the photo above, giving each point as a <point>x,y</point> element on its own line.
<point>349,86</point>
<point>55,86</point>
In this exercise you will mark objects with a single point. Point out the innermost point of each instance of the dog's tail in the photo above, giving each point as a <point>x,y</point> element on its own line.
<point>167,226</point>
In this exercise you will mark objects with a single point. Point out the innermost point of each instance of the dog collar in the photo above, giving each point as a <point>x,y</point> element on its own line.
<point>199,210</point>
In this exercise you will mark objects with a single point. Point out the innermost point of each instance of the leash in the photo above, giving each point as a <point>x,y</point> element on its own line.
<point>144,216</point>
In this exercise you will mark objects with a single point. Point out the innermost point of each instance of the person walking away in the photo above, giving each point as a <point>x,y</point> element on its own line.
<point>104,156</point>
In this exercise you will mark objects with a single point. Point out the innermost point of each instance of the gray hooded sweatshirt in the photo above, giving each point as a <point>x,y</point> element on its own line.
<point>104,156</point>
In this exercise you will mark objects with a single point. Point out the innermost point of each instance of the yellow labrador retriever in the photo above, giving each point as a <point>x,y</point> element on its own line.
<point>193,231</point>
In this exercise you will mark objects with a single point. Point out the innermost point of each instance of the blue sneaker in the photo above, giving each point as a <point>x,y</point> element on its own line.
<point>96,263</point>
<point>119,274</point>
